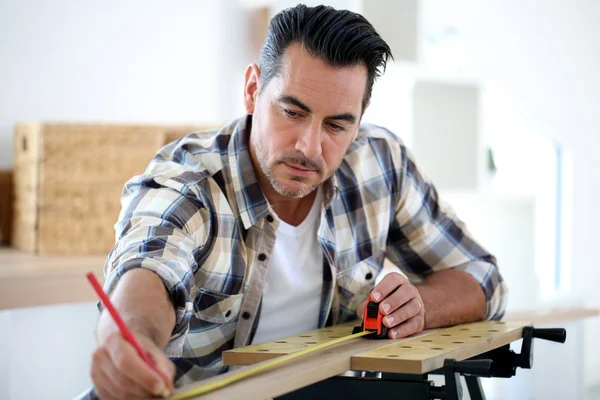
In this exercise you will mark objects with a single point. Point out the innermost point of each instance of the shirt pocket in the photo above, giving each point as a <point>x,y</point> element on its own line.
<point>215,307</point>
<point>356,282</point>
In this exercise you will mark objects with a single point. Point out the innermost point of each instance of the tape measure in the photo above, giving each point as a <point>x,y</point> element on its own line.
<point>371,325</point>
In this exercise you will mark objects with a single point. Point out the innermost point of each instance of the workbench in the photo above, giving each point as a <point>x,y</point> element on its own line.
<point>383,367</point>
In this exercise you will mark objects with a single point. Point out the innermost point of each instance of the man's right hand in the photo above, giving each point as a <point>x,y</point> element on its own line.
<point>118,372</point>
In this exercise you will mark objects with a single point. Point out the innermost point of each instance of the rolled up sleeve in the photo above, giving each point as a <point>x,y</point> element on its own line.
<point>426,236</point>
<point>163,227</point>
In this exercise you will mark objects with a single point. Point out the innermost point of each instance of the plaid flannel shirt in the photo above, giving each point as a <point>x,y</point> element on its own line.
<point>198,218</point>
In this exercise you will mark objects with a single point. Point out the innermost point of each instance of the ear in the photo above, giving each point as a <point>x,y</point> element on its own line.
<point>251,87</point>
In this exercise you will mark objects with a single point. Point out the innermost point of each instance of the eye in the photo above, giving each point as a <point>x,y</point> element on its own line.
<point>291,114</point>
<point>336,127</point>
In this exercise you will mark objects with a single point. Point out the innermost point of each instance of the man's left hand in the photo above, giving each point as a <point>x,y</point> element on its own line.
<point>400,303</point>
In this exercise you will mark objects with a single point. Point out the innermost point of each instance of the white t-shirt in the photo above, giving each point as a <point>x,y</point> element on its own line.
<point>292,292</point>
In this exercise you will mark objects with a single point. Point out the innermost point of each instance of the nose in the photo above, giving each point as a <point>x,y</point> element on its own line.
<point>309,142</point>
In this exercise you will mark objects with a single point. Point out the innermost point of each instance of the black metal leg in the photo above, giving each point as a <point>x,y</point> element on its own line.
<point>474,386</point>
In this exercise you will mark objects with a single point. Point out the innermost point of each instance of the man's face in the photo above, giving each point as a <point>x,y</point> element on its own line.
<point>304,120</point>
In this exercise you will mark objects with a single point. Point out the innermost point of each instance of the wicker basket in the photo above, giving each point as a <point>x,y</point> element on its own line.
<point>68,180</point>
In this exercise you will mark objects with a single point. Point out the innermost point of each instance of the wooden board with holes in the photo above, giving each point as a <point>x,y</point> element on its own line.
<point>265,351</point>
<point>409,355</point>
<point>289,376</point>
<point>427,353</point>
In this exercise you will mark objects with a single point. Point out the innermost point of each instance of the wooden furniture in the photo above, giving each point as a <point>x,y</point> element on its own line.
<point>69,178</point>
<point>29,280</point>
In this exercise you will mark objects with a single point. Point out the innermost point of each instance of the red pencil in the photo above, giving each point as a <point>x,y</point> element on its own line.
<point>127,334</point>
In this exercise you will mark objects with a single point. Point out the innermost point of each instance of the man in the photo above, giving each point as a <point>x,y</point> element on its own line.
<point>280,222</point>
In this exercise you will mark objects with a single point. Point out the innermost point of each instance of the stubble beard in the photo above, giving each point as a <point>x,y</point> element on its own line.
<point>296,193</point>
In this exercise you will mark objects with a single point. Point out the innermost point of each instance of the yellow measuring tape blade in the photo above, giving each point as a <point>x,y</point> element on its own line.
<point>260,368</point>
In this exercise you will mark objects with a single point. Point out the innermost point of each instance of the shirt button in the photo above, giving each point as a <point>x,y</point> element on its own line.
<point>368,276</point>
<point>246,315</point>
<point>270,218</point>
<point>262,257</point>
<point>228,313</point>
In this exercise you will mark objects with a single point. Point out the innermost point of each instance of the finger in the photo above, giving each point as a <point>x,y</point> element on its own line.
<point>397,299</point>
<point>120,385</point>
<point>388,284</point>
<point>361,309</point>
<point>98,377</point>
<point>410,327</point>
<point>166,367</point>
<point>126,360</point>
<point>113,381</point>
<point>103,394</point>
<point>404,313</point>
<point>102,384</point>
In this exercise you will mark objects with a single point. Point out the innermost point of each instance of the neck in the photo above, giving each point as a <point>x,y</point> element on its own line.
<point>291,211</point>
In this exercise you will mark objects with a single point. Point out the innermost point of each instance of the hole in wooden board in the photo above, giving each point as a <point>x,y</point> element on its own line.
<point>492,330</point>
<point>464,329</point>
<point>305,336</point>
<point>334,337</point>
<point>263,349</point>
<point>437,348</point>
<point>24,143</point>
<point>391,355</point>
<point>445,334</point>
<point>405,347</point>
<point>280,341</point>
<point>326,330</point>
<point>427,340</point>
<point>457,342</point>
<point>310,342</point>
<point>500,322</point>
<point>475,336</point>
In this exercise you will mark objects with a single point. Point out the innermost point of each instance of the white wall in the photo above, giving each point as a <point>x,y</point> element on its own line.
<point>46,351</point>
<point>128,61</point>
<point>544,54</point>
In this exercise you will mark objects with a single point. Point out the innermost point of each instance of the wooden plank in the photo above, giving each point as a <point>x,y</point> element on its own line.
<point>409,355</point>
<point>425,354</point>
<point>285,378</point>
<point>271,349</point>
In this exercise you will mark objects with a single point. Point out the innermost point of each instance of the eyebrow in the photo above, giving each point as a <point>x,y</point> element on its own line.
<point>348,117</point>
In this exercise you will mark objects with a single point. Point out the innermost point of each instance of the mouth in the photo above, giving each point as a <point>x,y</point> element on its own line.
<point>298,170</point>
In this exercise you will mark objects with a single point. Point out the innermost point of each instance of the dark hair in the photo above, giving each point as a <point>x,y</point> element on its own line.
<point>341,38</point>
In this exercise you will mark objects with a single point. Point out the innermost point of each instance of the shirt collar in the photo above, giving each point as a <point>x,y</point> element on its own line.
<point>252,203</point>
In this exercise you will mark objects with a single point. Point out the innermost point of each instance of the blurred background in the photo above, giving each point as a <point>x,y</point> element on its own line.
<point>499,100</point>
